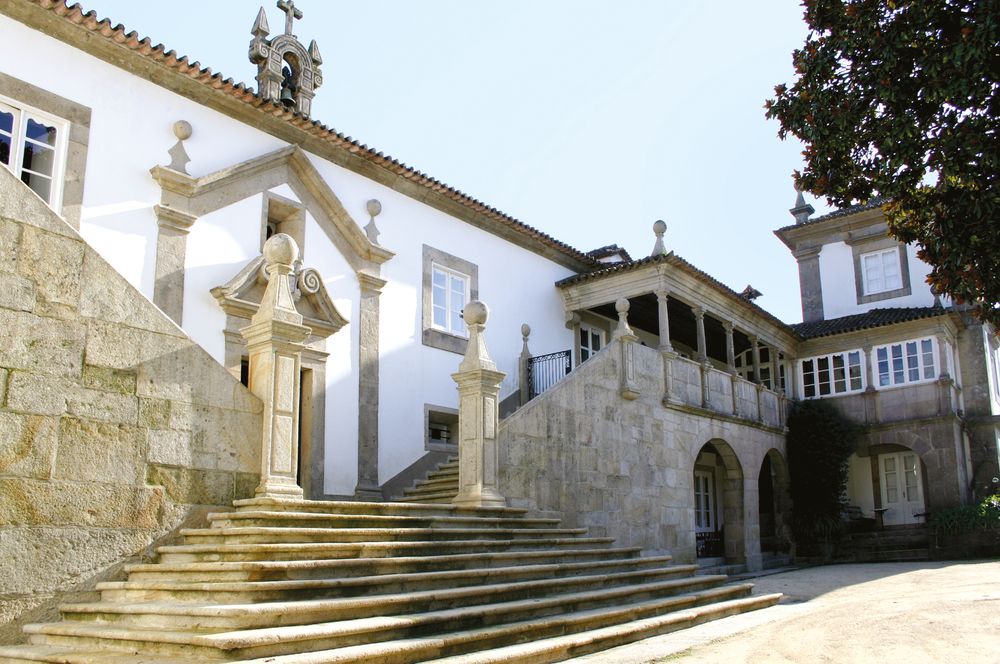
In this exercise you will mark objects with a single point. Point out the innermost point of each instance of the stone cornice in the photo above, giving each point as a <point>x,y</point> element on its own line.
<point>834,229</point>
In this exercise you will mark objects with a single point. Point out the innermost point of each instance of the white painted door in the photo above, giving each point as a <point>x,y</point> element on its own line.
<point>902,493</point>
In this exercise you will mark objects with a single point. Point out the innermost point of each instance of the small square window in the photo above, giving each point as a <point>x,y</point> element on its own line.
<point>880,271</point>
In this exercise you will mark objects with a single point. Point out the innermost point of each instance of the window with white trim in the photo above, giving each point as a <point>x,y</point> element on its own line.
<point>837,373</point>
<point>33,147</point>
<point>704,508</point>
<point>591,341</point>
<point>905,362</point>
<point>880,271</point>
<point>449,295</point>
<point>995,366</point>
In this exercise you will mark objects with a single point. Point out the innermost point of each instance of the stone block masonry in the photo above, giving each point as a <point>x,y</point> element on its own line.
<point>115,427</point>
<point>624,468</point>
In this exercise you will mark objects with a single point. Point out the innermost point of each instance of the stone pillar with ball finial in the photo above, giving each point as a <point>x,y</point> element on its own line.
<point>275,339</point>
<point>627,339</point>
<point>478,417</point>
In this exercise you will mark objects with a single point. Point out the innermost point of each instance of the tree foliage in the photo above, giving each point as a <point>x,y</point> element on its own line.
<point>820,441</point>
<point>901,99</point>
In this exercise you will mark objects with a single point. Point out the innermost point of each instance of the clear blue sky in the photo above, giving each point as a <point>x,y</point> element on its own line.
<point>586,119</point>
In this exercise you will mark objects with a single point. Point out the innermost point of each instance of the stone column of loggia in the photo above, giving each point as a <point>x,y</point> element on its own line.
<point>275,339</point>
<point>478,417</point>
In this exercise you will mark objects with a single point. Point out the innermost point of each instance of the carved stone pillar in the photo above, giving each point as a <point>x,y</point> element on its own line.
<point>171,251</point>
<point>730,347</point>
<point>478,418</point>
<point>663,319</point>
<point>775,369</point>
<point>755,354</point>
<point>870,393</point>
<point>627,339</point>
<point>573,323</point>
<point>275,339</point>
<point>699,319</point>
<point>368,387</point>
<point>522,366</point>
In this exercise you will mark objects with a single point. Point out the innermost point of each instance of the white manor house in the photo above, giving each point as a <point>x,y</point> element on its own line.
<point>637,399</point>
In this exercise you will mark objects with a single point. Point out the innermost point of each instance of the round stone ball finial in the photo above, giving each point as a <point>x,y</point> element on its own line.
<point>660,227</point>
<point>182,130</point>
<point>281,249</point>
<point>374,207</point>
<point>622,305</point>
<point>525,330</point>
<point>476,313</point>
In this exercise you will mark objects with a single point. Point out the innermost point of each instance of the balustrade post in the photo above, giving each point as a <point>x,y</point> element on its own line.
<point>478,417</point>
<point>525,359</point>
<point>275,339</point>
<point>627,340</point>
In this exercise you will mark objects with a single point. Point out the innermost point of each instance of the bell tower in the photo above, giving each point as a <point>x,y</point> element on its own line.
<point>287,72</point>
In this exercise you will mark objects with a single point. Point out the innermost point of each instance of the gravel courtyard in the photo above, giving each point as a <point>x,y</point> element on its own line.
<point>882,613</point>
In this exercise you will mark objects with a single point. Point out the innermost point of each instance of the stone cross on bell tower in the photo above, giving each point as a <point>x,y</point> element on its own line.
<point>287,71</point>
<point>291,13</point>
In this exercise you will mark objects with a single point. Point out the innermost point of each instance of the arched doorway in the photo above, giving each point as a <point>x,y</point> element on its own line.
<point>773,502</point>
<point>718,503</point>
<point>888,485</point>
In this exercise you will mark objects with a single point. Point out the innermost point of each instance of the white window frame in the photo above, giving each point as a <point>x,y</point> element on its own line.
<point>852,382</point>
<point>919,361</point>
<point>704,501</point>
<point>451,308</point>
<point>22,112</point>
<point>872,288</point>
<point>586,350</point>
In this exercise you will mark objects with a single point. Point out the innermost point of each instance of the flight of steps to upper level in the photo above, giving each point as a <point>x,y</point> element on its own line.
<point>439,486</point>
<point>297,582</point>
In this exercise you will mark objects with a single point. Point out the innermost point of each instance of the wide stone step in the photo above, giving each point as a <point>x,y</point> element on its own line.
<point>420,588</point>
<point>276,535</point>
<point>337,550</point>
<point>443,473</point>
<point>494,624</point>
<point>437,484</point>
<point>402,508</point>
<point>352,567</point>
<point>27,654</point>
<point>261,518</point>
<point>436,497</point>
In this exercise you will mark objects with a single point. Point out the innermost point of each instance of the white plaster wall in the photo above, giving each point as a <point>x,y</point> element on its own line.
<point>131,132</point>
<point>220,244</point>
<point>840,298</point>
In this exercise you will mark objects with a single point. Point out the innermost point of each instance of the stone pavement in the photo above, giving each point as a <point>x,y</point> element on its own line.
<point>939,612</point>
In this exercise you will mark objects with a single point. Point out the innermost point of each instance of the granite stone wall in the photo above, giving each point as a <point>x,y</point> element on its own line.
<point>115,427</point>
<point>625,468</point>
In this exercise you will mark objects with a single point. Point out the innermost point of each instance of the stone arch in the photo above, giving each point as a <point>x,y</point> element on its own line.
<point>719,459</point>
<point>774,502</point>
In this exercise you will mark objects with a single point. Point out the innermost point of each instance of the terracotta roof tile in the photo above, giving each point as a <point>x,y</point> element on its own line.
<point>867,320</point>
<point>88,20</point>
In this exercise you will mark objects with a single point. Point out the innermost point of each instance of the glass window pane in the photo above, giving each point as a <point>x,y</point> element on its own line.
<point>41,184</point>
<point>36,131</point>
<point>458,288</point>
<point>927,350</point>
<point>5,148</point>
<point>6,122</point>
<point>440,296</point>
<point>457,324</point>
<point>839,374</point>
<point>595,341</point>
<point>912,363</point>
<point>897,364</point>
<point>440,316</point>
<point>38,158</point>
<point>440,279</point>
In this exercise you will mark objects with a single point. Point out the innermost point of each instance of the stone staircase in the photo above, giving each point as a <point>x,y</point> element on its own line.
<point>301,582</point>
<point>899,544</point>
<point>439,486</point>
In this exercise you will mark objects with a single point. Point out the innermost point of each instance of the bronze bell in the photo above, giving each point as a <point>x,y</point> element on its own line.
<point>286,97</point>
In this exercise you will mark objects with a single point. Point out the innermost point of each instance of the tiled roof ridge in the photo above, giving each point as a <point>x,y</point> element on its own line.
<point>877,317</point>
<point>672,258</point>
<point>608,250</point>
<point>144,46</point>
<point>874,202</point>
